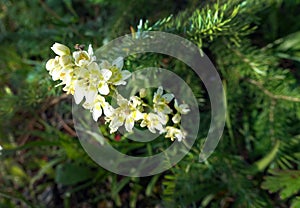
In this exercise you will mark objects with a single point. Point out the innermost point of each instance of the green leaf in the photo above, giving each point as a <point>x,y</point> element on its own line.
<point>286,182</point>
<point>151,185</point>
<point>296,202</point>
<point>70,174</point>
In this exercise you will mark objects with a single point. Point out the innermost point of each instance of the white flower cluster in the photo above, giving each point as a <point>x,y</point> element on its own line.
<point>87,80</point>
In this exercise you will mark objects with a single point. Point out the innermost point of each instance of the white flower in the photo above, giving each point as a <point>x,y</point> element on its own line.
<point>181,109</point>
<point>127,113</point>
<point>61,68</point>
<point>175,133</point>
<point>118,75</point>
<point>91,81</point>
<point>81,91</point>
<point>160,101</point>
<point>99,78</point>
<point>97,106</point>
<point>84,58</point>
<point>60,49</point>
<point>54,68</point>
<point>153,122</point>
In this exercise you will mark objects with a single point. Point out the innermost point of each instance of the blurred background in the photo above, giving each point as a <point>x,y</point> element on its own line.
<point>255,46</point>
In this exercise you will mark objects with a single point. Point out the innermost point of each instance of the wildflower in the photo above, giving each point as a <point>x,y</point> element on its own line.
<point>127,113</point>
<point>84,58</point>
<point>153,122</point>
<point>181,109</point>
<point>160,101</point>
<point>98,107</point>
<point>175,133</point>
<point>118,75</point>
<point>99,78</point>
<point>91,80</point>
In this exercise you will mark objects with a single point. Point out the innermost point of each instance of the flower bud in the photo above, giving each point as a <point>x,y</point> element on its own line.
<point>143,93</point>
<point>60,49</point>
<point>51,64</point>
<point>65,60</point>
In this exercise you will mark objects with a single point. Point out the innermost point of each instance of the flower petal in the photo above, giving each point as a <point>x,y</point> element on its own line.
<point>51,63</point>
<point>90,96</point>
<point>121,82</point>
<point>78,94</point>
<point>125,74</point>
<point>105,65</point>
<point>116,122</point>
<point>106,73</point>
<point>137,115</point>
<point>176,118</point>
<point>129,123</point>
<point>118,62</point>
<point>108,109</point>
<point>91,53</point>
<point>184,108</point>
<point>93,66</point>
<point>103,88</point>
<point>97,112</point>
<point>168,97</point>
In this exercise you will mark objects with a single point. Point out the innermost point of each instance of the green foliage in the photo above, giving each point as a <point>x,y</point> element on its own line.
<point>255,48</point>
<point>285,181</point>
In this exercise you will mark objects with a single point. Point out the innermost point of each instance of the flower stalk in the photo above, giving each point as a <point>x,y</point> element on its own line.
<point>91,83</point>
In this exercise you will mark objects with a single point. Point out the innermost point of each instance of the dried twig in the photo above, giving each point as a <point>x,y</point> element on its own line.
<point>66,126</point>
<point>30,126</point>
<point>270,94</point>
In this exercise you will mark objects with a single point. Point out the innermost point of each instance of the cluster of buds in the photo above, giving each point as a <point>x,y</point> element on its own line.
<point>87,80</point>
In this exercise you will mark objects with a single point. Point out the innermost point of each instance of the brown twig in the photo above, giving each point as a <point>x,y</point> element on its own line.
<point>270,94</point>
<point>66,126</point>
<point>30,126</point>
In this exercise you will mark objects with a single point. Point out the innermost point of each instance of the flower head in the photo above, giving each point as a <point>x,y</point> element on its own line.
<point>118,75</point>
<point>153,122</point>
<point>175,133</point>
<point>97,106</point>
<point>127,113</point>
<point>91,80</point>
<point>160,101</point>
